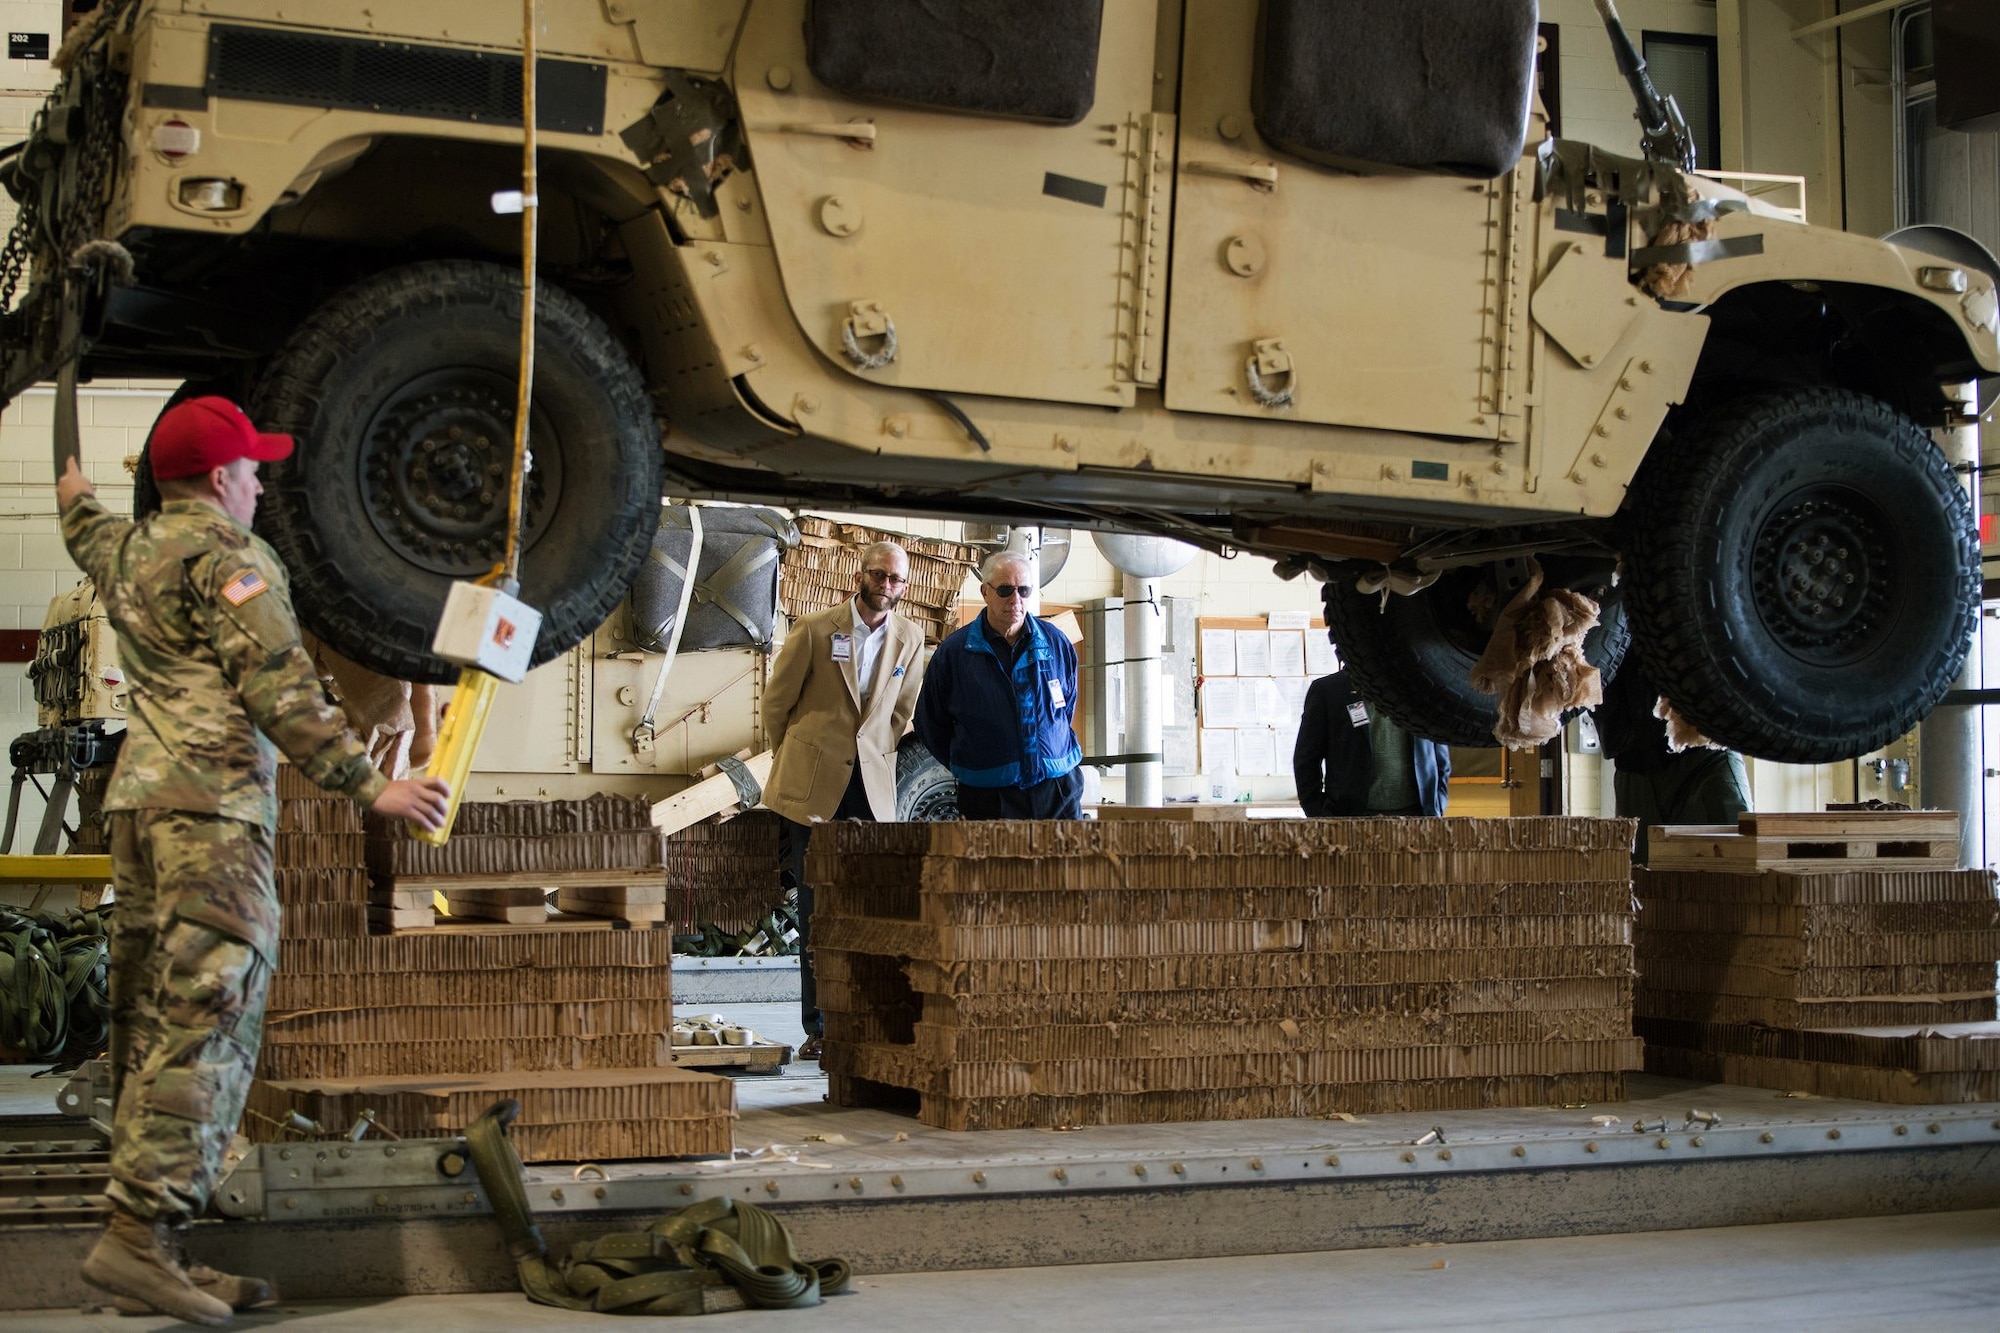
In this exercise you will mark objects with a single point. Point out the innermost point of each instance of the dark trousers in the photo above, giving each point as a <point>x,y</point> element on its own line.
<point>1693,787</point>
<point>792,840</point>
<point>1051,798</point>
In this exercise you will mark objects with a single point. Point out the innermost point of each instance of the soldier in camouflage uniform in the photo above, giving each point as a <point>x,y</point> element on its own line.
<point>211,651</point>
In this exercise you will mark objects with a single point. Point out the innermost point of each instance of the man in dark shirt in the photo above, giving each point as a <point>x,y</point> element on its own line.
<point>1352,759</point>
<point>1653,784</point>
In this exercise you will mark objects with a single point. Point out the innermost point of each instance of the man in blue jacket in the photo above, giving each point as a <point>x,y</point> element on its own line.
<point>1353,760</point>
<point>997,705</point>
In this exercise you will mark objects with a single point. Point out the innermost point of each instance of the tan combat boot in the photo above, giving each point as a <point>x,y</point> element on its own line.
<point>135,1258</point>
<point>238,1293</point>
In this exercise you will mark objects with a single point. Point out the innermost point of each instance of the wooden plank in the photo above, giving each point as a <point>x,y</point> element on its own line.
<point>1180,812</point>
<point>530,910</point>
<point>555,921</point>
<point>1720,848</point>
<point>402,918</point>
<point>1843,824</point>
<point>763,1057</point>
<point>532,879</point>
<point>497,895</point>
<point>616,895</point>
<point>708,798</point>
<point>568,901</point>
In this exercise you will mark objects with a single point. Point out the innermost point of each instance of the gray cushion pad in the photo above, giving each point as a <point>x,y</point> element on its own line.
<point>1437,86</point>
<point>1030,59</point>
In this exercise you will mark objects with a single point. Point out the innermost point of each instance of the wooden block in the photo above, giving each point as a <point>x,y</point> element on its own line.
<point>402,898</point>
<point>402,918</point>
<point>511,895</point>
<point>708,798</point>
<point>569,901</point>
<point>530,908</point>
<point>616,895</point>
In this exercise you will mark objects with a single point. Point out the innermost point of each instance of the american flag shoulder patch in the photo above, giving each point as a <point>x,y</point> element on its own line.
<point>243,587</point>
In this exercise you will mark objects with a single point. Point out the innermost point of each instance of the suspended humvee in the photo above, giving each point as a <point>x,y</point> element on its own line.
<point>1304,279</point>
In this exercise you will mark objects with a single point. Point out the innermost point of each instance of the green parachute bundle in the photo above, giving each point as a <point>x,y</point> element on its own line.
<point>55,991</point>
<point>712,1256</point>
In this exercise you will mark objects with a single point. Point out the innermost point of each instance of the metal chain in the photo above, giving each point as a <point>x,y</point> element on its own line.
<point>27,221</point>
<point>83,215</point>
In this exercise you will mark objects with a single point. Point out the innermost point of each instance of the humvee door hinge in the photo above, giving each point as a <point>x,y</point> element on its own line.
<point>1149,178</point>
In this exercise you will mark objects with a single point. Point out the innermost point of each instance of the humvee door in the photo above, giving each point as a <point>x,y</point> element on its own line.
<point>983,215</point>
<point>1355,272</point>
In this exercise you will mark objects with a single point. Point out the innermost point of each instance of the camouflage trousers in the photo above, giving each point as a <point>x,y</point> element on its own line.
<point>192,945</point>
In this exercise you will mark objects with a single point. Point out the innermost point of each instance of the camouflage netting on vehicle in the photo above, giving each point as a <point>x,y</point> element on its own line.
<point>736,582</point>
<point>819,572</point>
<point>1032,59</point>
<point>1425,85</point>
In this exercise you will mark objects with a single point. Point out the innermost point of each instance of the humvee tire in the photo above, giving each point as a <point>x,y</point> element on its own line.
<point>925,788</point>
<point>401,392</point>
<point>1804,574</point>
<point>1413,657</point>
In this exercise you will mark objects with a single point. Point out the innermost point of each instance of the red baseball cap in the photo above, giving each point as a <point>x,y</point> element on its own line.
<point>200,434</point>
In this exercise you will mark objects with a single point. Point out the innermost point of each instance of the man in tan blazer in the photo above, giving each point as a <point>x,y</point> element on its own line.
<point>840,696</point>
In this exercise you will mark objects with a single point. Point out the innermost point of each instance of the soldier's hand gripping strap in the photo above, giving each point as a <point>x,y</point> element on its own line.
<point>710,1256</point>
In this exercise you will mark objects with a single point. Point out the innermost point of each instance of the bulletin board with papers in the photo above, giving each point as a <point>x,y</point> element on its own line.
<point>1253,673</point>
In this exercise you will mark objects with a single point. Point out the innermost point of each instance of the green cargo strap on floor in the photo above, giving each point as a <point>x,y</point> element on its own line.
<point>34,1011</point>
<point>711,1256</point>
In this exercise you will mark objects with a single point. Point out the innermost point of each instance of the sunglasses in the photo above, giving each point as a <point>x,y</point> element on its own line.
<point>1006,590</point>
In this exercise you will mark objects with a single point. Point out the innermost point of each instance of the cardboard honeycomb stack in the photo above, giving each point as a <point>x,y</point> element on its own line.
<point>428,1028</point>
<point>1010,975</point>
<point>819,572</point>
<point>1873,982</point>
<point>725,874</point>
<point>322,874</point>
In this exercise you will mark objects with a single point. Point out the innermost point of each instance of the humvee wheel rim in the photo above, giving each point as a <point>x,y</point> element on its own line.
<point>1823,575</point>
<point>434,471</point>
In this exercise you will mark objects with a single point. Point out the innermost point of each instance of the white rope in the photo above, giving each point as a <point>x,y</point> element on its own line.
<point>867,360</point>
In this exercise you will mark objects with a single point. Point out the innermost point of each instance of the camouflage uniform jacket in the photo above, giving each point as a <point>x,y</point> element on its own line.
<point>212,657</point>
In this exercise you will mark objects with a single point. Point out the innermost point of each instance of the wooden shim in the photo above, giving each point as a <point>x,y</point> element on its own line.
<point>1843,825</point>
<point>708,798</point>
<point>568,901</point>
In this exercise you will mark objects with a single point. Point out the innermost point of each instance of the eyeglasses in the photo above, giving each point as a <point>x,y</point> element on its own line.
<point>884,577</point>
<point>1006,590</point>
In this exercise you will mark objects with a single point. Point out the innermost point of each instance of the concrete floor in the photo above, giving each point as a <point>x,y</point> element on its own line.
<point>1937,1271</point>
<point>1933,1271</point>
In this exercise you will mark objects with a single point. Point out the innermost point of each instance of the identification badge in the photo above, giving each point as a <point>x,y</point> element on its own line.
<point>843,647</point>
<point>1056,693</point>
<point>1357,713</point>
